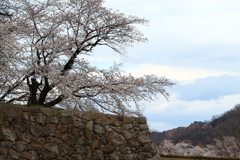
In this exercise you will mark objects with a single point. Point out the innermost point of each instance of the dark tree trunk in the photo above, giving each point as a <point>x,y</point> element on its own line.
<point>54,102</point>
<point>32,100</point>
<point>44,92</point>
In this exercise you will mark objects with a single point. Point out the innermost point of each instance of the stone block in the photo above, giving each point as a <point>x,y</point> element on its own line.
<point>141,120</point>
<point>12,111</point>
<point>62,128</point>
<point>114,156</point>
<point>41,118</point>
<point>68,139</point>
<point>66,113</point>
<point>117,123</point>
<point>156,157</point>
<point>48,155</point>
<point>144,137</point>
<point>66,149</point>
<point>77,156</point>
<point>3,150</point>
<point>67,120</point>
<point>75,132</point>
<point>144,127</point>
<point>9,133</point>
<point>13,154</point>
<point>135,124</point>
<point>128,120</point>
<point>28,116</point>
<point>90,125</point>
<point>103,139</point>
<point>26,137</point>
<point>128,126</point>
<point>6,144</point>
<point>19,125</point>
<point>99,155</point>
<point>86,116</point>
<point>95,144</point>
<point>41,141</point>
<point>49,130</point>
<point>116,139</point>
<point>52,119</point>
<point>20,145</point>
<point>35,129</point>
<point>109,119</point>
<point>130,156</point>
<point>129,134</point>
<point>89,134</point>
<point>30,155</point>
<point>37,147</point>
<point>55,140</point>
<point>52,147</point>
<point>108,149</point>
<point>108,129</point>
<point>80,141</point>
<point>99,129</point>
<point>2,116</point>
<point>78,114</point>
<point>134,143</point>
<point>50,112</point>
<point>35,109</point>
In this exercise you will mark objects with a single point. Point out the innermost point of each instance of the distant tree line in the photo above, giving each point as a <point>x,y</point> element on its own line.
<point>220,136</point>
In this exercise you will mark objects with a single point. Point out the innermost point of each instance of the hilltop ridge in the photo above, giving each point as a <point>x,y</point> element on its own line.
<point>204,133</point>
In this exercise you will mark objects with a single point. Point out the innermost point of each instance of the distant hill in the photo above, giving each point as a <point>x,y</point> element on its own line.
<point>203,133</point>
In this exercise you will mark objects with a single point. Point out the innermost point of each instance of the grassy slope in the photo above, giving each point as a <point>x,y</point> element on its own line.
<point>174,159</point>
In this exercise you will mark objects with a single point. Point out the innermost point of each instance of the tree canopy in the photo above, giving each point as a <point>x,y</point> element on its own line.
<point>41,44</point>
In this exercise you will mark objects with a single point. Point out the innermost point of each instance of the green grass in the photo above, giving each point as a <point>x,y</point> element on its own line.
<point>174,158</point>
<point>9,104</point>
<point>37,106</point>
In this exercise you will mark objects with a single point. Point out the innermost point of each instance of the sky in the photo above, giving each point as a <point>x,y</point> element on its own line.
<point>196,44</point>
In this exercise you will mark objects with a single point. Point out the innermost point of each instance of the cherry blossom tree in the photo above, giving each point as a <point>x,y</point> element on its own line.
<point>44,62</point>
<point>227,146</point>
<point>8,43</point>
<point>167,147</point>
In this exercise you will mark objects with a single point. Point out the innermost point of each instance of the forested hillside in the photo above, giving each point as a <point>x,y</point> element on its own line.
<point>204,133</point>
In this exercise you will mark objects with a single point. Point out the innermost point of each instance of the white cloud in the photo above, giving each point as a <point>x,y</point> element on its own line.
<point>188,40</point>
<point>213,87</point>
<point>197,34</point>
<point>180,113</point>
<point>174,72</point>
<point>160,126</point>
<point>208,107</point>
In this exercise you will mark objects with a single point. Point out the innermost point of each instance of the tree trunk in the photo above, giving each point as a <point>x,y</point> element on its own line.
<point>44,92</point>
<point>32,100</point>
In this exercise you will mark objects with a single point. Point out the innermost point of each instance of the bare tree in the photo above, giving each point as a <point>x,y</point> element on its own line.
<point>47,68</point>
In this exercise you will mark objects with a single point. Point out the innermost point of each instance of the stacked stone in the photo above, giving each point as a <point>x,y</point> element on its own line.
<point>42,133</point>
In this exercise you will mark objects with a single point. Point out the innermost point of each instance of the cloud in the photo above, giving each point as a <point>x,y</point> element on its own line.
<point>160,126</point>
<point>195,43</point>
<point>179,113</point>
<point>198,34</point>
<point>208,88</point>
<point>174,72</point>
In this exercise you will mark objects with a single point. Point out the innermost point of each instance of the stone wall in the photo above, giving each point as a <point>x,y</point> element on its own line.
<point>42,133</point>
